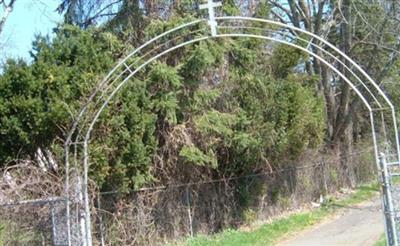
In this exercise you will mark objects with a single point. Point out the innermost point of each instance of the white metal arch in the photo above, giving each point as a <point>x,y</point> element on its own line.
<point>362,84</point>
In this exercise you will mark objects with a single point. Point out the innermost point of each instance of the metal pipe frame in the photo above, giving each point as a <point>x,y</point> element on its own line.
<point>361,83</point>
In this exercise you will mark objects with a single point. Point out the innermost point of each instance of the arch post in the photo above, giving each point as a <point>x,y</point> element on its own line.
<point>387,201</point>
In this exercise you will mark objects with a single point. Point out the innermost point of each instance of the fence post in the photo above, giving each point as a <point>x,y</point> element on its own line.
<point>53,225</point>
<point>101,228</point>
<point>390,225</point>
<point>325,183</point>
<point>189,211</point>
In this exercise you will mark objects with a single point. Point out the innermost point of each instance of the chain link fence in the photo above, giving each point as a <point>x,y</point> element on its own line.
<point>159,215</point>
<point>35,222</point>
<point>156,216</point>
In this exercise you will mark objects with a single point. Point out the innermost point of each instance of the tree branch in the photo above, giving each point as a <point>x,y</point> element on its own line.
<point>7,10</point>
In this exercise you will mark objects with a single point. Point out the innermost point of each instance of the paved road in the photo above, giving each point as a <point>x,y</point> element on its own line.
<point>360,225</point>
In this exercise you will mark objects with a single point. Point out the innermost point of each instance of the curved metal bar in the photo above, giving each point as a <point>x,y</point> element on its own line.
<point>326,52</point>
<point>319,48</point>
<point>316,37</point>
<point>129,66</point>
<point>366,103</point>
<point>121,62</point>
<point>115,79</point>
<point>84,108</point>
<point>119,86</point>
<point>284,34</point>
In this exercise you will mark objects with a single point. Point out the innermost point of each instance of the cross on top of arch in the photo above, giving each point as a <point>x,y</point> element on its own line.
<point>211,5</point>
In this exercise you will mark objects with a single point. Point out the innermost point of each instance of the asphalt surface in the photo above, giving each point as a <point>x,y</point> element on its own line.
<point>358,225</point>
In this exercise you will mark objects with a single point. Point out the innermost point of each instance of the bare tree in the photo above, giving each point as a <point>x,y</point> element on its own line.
<point>359,31</point>
<point>7,7</point>
<point>89,12</point>
<point>339,18</point>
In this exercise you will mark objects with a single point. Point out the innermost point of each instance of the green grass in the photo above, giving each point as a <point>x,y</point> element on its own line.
<point>381,241</point>
<point>269,234</point>
<point>361,194</point>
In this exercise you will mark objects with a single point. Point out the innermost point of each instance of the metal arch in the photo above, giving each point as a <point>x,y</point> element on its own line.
<point>119,86</point>
<point>164,34</point>
<point>127,79</point>
<point>326,52</point>
<point>285,34</point>
<point>268,30</point>
<point>68,140</point>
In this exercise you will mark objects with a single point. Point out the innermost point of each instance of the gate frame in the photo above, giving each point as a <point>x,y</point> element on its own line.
<point>75,138</point>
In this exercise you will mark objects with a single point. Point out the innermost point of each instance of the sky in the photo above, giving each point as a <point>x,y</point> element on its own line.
<point>29,17</point>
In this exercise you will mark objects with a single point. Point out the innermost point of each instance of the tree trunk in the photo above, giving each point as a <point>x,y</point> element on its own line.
<point>343,126</point>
